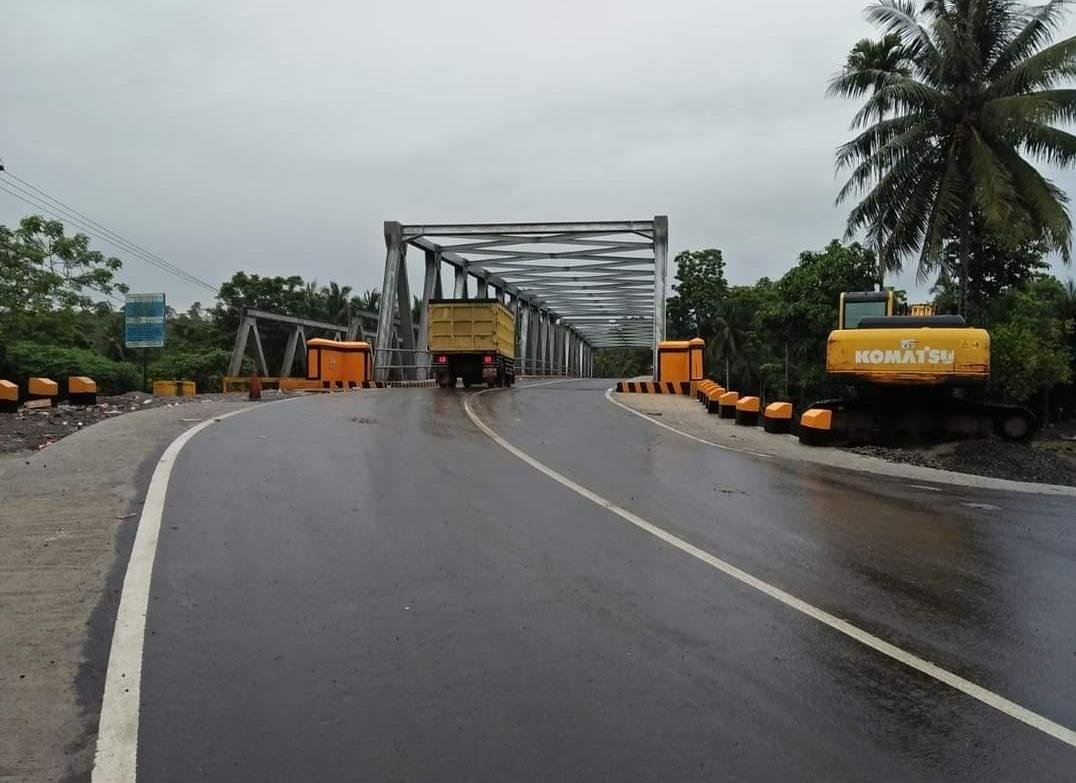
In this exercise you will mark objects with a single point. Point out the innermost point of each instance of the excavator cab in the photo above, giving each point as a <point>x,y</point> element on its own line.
<point>857,305</point>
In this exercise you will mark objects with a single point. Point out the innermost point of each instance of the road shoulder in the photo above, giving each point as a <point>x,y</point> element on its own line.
<point>68,516</point>
<point>688,417</point>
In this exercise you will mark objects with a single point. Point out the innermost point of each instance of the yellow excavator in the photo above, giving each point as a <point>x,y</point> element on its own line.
<point>917,376</point>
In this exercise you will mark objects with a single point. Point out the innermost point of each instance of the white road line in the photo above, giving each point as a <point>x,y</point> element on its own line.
<point>652,420</point>
<point>116,757</point>
<point>977,692</point>
<point>926,487</point>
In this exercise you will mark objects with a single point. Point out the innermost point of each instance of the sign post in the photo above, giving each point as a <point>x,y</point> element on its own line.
<point>143,316</point>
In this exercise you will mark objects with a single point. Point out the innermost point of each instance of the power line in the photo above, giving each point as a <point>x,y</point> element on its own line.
<point>107,236</point>
<point>39,199</point>
<point>141,251</point>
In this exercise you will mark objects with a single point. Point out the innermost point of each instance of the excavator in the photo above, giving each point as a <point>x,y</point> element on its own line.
<point>913,377</point>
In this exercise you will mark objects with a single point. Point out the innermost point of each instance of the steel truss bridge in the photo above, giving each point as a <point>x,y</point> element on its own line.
<point>574,287</point>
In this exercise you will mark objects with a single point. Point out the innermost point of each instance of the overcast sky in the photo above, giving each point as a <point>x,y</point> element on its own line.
<point>277,137</point>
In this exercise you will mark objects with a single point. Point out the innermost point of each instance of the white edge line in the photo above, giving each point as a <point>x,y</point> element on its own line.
<point>652,420</point>
<point>116,755</point>
<point>967,687</point>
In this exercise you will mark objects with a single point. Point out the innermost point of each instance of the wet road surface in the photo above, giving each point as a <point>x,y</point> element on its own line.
<point>366,587</point>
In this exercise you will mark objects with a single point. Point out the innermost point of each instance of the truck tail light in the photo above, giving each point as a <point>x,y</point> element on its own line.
<point>487,360</point>
<point>442,360</point>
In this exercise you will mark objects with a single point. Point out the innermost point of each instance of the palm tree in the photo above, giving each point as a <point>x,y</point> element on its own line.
<point>369,300</point>
<point>336,299</point>
<point>982,92</point>
<point>865,71</point>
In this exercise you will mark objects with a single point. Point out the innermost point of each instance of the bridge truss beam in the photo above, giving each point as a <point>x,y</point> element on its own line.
<point>574,287</point>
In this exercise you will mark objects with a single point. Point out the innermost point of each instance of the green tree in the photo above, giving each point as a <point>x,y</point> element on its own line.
<point>368,301</point>
<point>1029,350</point>
<point>42,269</point>
<point>622,362</point>
<point>997,262</point>
<point>983,92</point>
<point>695,311</point>
<point>802,307</point>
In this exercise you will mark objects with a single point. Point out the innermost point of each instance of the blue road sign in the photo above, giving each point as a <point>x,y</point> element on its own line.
<point>144,321</point>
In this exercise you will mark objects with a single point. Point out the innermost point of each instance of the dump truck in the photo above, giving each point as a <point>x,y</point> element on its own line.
<point>473,340</point>
<point>918,376</point>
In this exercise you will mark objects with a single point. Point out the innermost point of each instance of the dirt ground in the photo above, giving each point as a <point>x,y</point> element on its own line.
<point>32,429</point>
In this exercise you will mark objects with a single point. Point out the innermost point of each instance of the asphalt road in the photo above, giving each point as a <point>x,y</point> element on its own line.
<point>366,587</point>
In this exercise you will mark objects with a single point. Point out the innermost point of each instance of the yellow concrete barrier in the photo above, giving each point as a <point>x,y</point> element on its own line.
<point>43,388</point>
<point>727,404</point>
<point>174,388</point>
<point>816,425</point>
<point>703,388</point>
<point>747,411</point>
<point>298,384</point>
<point>81,390</point>
<point>778,418</point>
<point>713,399</point>
<point>241,383</point>
<point>9,397</point>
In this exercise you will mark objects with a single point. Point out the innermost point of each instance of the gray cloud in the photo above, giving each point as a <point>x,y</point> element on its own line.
<point>276,137</point>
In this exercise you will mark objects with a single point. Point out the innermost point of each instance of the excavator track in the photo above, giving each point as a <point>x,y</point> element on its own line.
<point>905,419</point>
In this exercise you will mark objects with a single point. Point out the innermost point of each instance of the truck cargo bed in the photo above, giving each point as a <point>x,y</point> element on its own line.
<point>472,326</point>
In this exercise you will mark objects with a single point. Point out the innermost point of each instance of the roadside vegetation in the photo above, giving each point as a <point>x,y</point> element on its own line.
<point>61,314</point>
<point>959,102</point>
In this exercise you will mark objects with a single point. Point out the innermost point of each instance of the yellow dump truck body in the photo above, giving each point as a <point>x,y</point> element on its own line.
<point>472,326</point>
<point>917,356</point>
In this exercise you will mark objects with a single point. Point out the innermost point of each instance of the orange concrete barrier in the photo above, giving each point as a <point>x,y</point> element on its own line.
<point>9,397</point>
<point>778,418</point>
<point>713,399</point>
<point>81,390</point>
<point>747,411</point>
<point>727,404</point>
<point>816,426</point>
<point>174,388</point>
<point>43,389</point>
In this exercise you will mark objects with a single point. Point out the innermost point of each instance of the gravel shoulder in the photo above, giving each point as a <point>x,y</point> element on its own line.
<point>67,518</point>
<point>928,465</point>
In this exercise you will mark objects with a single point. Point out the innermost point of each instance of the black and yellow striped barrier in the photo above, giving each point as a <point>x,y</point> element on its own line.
<point>654,387</point>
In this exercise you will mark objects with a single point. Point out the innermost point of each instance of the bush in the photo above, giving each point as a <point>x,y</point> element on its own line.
<point>22,360</point>
<point>205,368</point>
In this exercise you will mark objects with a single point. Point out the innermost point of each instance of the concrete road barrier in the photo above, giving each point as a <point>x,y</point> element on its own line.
<point>747,411</point>
<point>9,397</point>
<point>777,418</point>
<point>727,404</point>
<point>81,390</point>
<point>174,388</point>
<point>654,387</point>
<point>43,389</point>
<point>816,427</point>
